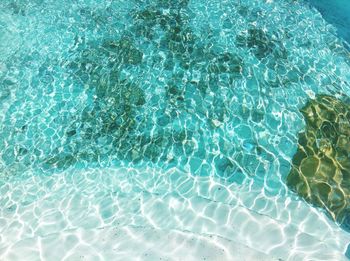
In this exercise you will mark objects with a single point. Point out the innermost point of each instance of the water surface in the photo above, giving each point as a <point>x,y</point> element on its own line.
<point>156,118</point>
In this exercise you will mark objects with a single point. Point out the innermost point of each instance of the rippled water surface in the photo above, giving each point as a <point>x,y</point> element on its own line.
<point>162,130</point>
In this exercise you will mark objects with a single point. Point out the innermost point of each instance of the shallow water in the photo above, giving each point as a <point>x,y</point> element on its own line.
<point>161,116</point>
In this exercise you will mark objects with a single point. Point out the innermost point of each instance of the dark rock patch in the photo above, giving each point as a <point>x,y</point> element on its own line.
<point>321,166</point>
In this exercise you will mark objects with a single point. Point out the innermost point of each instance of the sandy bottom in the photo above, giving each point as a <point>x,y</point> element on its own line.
<point>134,214</point>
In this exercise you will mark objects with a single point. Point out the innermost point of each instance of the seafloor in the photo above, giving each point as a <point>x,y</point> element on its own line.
<point>173,130</point>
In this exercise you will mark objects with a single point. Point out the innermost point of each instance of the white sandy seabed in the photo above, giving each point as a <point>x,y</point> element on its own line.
<point>147,214</point>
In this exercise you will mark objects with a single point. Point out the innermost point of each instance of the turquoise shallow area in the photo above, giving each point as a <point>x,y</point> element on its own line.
<point>182,84</point>
<point>211,89</point>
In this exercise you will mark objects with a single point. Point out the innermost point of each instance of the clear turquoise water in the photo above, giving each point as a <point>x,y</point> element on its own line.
<point>161,114</point>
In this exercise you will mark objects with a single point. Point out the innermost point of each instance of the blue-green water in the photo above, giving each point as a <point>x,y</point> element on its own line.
<point>336,12</point>
<point>103,101</point>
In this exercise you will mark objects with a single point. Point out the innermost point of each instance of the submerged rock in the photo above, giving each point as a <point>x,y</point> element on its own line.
<point>107,124</point>
<point>226,63</point>
<point>261,43</point>
<point>321,166</point>
<point>124,50</point>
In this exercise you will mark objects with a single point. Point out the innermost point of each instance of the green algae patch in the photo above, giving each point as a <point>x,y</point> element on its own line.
<point>321,166</point>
